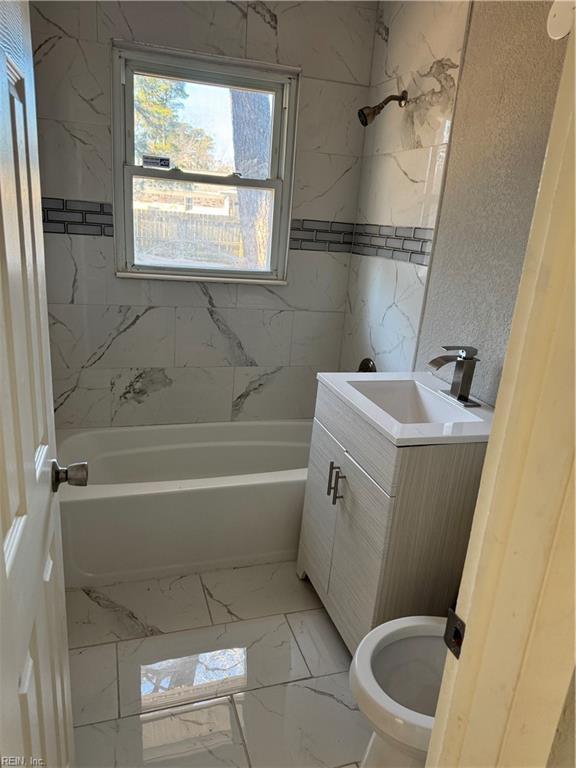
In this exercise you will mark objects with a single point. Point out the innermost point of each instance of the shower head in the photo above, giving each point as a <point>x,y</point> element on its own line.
<point>367,115</point>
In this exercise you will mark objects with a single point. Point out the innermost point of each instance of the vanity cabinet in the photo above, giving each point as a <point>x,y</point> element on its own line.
<point>384,528</point>
<point>319,520</point>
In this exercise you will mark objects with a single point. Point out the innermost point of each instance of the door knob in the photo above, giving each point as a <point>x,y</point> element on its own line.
<point>73,474</point>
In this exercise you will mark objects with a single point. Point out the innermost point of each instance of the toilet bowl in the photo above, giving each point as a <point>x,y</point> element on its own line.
<point>395,678</point>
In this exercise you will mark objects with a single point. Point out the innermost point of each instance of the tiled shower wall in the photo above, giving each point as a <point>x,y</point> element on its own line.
<point>128,351</point>
<point>418,47</point>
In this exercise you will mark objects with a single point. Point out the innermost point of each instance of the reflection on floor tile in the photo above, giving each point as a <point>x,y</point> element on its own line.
<point>169,664</point>
<point>259,590</point>
<point>304,725</point>
<point>204,663</point>
<point>135,609</point>
<point>93,679</point>
<point>323,648</point>
<point>200,736</point>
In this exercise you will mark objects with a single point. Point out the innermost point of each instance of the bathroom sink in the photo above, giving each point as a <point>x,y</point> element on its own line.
<point>411,403</point>
<point>410,408</point>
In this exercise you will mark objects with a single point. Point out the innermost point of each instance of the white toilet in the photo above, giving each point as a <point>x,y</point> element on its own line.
<point>395,678</point>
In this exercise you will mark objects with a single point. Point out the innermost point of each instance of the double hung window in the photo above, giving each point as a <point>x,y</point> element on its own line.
<point>203,165</point>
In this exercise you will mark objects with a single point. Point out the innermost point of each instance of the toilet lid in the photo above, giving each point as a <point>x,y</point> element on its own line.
<point>410,670</point>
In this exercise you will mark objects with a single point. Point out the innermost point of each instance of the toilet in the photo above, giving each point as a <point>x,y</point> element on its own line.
<point>395,678</point>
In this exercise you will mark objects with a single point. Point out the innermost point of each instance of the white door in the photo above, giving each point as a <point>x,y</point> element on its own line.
<point>35,714</point>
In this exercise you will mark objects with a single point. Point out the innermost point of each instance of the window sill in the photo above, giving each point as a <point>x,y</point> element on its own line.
<point>187,278</point>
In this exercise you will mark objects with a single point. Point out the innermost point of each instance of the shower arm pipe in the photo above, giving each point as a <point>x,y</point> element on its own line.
<point>401,98</point>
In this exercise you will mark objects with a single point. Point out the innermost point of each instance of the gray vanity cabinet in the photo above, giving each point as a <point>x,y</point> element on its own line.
<point>375,553</point>
<point>319,521</point>
<point>361,543</point>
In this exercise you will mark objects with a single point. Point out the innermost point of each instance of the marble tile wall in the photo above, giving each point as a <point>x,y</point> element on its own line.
<point>131,352</point>
<point>418,47</point>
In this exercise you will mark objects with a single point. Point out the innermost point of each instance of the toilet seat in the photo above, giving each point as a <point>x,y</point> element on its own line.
<point>411,671</point>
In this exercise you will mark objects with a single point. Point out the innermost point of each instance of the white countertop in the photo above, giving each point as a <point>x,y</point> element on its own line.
<point>455,423</point>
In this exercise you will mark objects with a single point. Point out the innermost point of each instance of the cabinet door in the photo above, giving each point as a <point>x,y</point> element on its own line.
<point>363,522</point>
<point>319,518</point>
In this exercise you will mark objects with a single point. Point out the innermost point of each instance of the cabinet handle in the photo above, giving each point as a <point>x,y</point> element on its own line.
<point>330,471</point>
<point>337,478</point>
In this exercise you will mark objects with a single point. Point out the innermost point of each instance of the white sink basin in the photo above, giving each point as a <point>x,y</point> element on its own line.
<point>410,408</point>
<point>411,403</point>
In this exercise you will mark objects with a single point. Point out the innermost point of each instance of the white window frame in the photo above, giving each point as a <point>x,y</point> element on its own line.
<point>129,58</point>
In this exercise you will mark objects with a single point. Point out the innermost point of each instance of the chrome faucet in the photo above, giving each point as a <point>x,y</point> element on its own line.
<point>465,364</point>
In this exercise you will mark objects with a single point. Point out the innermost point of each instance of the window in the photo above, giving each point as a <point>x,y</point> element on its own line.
<point>203,165</point>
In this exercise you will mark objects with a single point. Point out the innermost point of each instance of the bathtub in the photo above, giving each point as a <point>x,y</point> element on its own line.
<point>169,500</point>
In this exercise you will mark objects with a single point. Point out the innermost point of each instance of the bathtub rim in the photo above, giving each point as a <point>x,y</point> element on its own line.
<point>166,487</point>
<point>137,488</point>
<point>64,434</point>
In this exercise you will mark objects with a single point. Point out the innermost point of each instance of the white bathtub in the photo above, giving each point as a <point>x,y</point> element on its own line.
<point>169,500</point>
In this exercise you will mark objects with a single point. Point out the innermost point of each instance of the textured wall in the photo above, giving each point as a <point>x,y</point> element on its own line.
<point>418,46</point>
<point>127,351</point>
<point>503,113</point>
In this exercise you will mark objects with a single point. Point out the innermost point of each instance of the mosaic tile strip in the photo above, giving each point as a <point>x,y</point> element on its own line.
<point>316,235</point>
<point>413,244</point>
<point>77,217</point>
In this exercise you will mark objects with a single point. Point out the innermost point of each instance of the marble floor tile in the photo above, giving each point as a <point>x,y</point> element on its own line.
<point>94,684</point>
<point>321,645</point>
<point>259,590</point>
<point>183,667</point>
<point>199,736</point>
<point>305,725</point>
<point>135,609</point>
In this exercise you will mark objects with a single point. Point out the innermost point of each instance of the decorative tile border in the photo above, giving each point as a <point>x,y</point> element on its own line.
<point>76,217</point>
<point>413,244</point>
<point>315,235</point>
